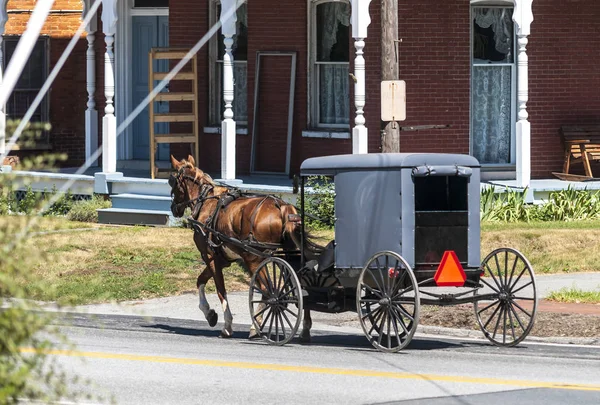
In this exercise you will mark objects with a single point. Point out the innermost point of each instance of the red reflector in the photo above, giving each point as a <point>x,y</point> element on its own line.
<point>392,272</point>
<point>450,272</point>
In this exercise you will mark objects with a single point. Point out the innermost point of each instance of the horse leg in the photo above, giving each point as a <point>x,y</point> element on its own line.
<point>227,330</point>
<point>211,316</point>
<point>306,325</point>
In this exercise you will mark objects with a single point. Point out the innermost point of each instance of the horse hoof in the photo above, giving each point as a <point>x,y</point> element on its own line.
<point>253,336</point>
<point>305,339</point>
<point>212,317</point>
<point>225,335</point>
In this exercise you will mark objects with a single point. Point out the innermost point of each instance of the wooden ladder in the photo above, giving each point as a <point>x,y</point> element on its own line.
<point>190,96</point>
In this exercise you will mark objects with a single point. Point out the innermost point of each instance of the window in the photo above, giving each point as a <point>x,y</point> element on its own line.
<point>493,78</point>
<point>330,56</point>
<point>29,84</point>
<point>240,57</point>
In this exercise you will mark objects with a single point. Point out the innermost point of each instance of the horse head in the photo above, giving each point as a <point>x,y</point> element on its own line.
<point>189,185</point>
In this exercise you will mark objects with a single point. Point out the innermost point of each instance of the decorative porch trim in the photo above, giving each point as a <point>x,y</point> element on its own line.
<point>109,121</point>
<point>91,114</point>
<point>228,19</point>
<point>360,22</point>
<point>523,17</point>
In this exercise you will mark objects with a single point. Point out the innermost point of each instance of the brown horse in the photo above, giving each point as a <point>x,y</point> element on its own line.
<point>264,219</point>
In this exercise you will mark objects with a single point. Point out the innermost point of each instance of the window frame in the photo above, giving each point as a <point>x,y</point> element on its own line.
<point>215,87</point>
<point>44,140</point>
<point>313,119</point>
<point>509,4</point>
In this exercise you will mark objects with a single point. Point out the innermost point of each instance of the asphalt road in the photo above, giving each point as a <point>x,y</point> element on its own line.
<point>176,361</point>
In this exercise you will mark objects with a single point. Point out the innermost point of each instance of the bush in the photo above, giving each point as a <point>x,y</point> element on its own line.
<point>85,210</point>
<point>319,202</point>
<point>27,371</point>
<point>563,205</point>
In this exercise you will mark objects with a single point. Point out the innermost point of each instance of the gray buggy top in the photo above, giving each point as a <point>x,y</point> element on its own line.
<point>416,204</point>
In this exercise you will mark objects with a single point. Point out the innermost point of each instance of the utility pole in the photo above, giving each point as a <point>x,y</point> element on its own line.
<point>390,139</point>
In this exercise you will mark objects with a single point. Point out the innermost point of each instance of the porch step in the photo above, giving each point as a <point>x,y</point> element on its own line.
<point>141,202</point>
<point>124,216</point>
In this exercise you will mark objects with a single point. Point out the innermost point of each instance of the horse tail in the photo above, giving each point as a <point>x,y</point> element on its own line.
<point>293,231</point>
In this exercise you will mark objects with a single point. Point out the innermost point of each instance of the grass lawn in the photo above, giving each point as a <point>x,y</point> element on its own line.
<point>573,295</point>
<point>82,265</point>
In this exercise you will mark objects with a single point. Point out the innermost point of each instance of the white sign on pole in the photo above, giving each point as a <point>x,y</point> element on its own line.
<point>393,100</point>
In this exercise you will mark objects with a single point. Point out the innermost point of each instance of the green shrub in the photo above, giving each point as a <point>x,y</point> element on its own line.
<point>563,205</point>
<point>85,210</point>
<point>62,206</point>
<point>28,373</point>
<point>319,202</point>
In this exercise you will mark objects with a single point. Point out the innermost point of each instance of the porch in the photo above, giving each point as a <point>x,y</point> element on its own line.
<point>138,199</point>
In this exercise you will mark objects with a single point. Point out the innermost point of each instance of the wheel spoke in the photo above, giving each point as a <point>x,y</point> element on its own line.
<point>498,268</point>
<point>492,304</point>
<point>377,293</point>
<point>523,286</point>
<point>404,312</point>
<point>266,319</point>
<point>504,325</point>
<point>277,326</point>
<point>395,319</point>
<point>512,272</point>
<point>489,285</point>
<point>512,327</point>
<point>517,318</point>
<point>401,321</point>
<point>271,324</point>
<point>376,281</point>
<point>389,328</point>
<point>262,311</point>
<point>290,311</point>
<point>523,298</point>
<point>381,328</point>
<point>498,321</point>
<point>505,267</point>
<point>518,278</point>
<point>492,316</point>
<point>522,309</point>
<point>282,325</point>
<point>374,322</point>
<point>493,276</point>
<point>372,314</point>
<point>288,320</point>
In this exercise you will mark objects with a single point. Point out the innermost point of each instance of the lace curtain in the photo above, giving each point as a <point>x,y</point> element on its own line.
<point>500,19</point>
<point>333,21</point>
<point>492,94</point>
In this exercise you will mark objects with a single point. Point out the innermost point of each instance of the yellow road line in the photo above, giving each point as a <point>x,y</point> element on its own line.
<point>319,370</point>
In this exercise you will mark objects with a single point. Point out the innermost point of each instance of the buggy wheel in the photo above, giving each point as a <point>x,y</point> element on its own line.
<point>275,301</point>
<point>506,302</point>
<point>387,302</point>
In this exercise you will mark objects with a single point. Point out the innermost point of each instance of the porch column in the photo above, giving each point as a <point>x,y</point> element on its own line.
<point>228,124</point>
<point>360,21</point>
<point>91,114</point>
<point>523,17</point>
<point>3,20</point>
<point>109,121</point>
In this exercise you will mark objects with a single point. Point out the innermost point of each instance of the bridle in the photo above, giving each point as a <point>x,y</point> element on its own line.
<point>174,180</point>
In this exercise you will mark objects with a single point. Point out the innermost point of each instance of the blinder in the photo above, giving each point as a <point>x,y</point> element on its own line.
<point>172,180</point>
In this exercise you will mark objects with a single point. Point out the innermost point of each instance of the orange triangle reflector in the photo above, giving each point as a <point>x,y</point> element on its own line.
<point>450,272</point>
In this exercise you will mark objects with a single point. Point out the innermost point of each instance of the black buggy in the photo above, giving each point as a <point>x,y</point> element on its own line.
<point>407,233</point>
